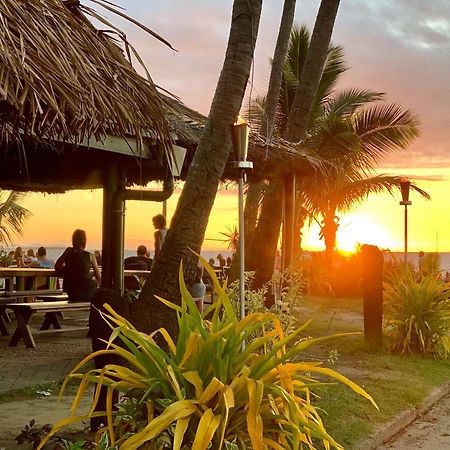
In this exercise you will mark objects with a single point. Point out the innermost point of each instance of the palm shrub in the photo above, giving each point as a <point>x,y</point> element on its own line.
<point>212,387</point>
<point>417,311</point>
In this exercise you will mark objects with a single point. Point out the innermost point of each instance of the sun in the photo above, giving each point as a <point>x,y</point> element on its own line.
<point>360,229</point>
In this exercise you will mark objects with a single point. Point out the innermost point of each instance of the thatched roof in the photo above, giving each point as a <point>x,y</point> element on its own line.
<point>60,77</point>
<point>71,105</point>
<point>270,159</point>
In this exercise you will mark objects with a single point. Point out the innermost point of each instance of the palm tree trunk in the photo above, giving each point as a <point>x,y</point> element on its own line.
<point>190,219</point>
<point>276,73</point>
<point>261,257</point>
<point>312,70</point>
<point>303,100</point>
<point>255,191</point>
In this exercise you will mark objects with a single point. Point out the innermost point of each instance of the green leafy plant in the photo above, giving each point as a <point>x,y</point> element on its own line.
<point>5,259</point>
<point>211,388</point>
<point>287,286</point>
<point>417,311</point>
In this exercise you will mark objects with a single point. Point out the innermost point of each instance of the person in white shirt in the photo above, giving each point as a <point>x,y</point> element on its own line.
<point>159,222</point>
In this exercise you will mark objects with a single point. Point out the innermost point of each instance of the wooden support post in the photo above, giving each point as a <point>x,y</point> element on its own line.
<point>113,230</point>
<point>372,286</point>
<point>288,220</point>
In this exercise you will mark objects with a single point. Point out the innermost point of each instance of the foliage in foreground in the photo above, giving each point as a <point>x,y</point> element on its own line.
<point>417,311</point>
<point>213,387</point>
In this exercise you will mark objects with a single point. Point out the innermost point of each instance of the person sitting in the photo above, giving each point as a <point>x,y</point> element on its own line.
<point>44,263</point>
<point>42,260</point>
<point>18,257</point>
<point>29,258</point>
<point>98,257</point>
<point>139,262</point>
<point>75,264</point>
<point>222,261</point>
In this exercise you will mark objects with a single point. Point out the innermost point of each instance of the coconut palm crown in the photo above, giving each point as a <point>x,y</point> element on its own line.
<point>351,130</point>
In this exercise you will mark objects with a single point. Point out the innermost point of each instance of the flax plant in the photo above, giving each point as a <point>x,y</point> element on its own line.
<point>207,390</point>
<point>417,310</point>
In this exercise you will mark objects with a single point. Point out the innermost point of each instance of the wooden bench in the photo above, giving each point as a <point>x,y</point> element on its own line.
<point>25,311</point>
<point>30,293</point>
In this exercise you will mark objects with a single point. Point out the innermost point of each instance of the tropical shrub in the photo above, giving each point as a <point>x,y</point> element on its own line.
<point>212,388</point>
<point>417,312</point>
<point>5,259</point>
<point>287,287</point>
<point>340,277</point>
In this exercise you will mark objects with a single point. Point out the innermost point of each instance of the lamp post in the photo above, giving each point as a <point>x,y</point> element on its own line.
<point>404,187</point>
<point>239,135</point>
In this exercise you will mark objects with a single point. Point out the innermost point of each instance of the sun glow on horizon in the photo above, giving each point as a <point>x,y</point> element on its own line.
<point>359,229</point>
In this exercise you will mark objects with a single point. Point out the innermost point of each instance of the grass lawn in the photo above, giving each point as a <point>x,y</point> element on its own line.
<point>395,382</point>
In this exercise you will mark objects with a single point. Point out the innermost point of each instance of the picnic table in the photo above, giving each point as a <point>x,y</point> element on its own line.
<point>53,305</point>
<point>51,310</point>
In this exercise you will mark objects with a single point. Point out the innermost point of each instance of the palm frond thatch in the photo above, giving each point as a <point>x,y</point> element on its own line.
<point>60,77</point>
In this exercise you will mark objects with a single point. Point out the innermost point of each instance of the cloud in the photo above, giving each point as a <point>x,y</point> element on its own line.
<point>398,47</point>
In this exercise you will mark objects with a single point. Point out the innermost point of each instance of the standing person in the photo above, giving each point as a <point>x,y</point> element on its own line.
<point>159,222</point>
<point>76,263</point>
<point>198,289</point>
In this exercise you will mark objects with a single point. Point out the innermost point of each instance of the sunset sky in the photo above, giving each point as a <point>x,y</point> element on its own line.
<point>400,48</point>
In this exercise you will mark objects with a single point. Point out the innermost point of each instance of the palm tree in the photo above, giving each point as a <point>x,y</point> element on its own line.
<point>188,225</point>
<point>12,216</point>
<point>351,130</point>
<point>340,192</point>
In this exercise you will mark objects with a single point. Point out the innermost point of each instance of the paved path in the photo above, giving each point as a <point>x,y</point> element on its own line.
<point>429,432</point>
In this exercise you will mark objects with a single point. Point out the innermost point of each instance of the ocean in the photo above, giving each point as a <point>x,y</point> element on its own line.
<point>413,257</point>
<point>55,252</point>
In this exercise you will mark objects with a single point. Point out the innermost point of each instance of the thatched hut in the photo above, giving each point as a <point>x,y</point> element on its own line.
<point>75,114</point>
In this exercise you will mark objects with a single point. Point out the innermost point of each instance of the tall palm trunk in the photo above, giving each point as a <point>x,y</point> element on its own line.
<point>302,106</point>
<point>255,190</point>
<point>190,219</point>
<point>312,71</point>
<point>261,257</point>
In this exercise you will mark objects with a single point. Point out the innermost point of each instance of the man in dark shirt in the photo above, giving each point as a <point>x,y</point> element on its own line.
<point>139,262</point>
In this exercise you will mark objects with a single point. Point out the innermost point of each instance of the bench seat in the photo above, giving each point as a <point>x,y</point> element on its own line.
<point>30,293</point>
<point>24,312</point>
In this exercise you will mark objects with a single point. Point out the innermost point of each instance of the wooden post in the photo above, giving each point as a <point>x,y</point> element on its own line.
<point>288,220</point>
<point>372,286</point>
<point>113,230</point>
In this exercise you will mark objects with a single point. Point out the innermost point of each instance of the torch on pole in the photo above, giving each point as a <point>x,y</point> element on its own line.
<point>239,134</point>
<point>404,187</point>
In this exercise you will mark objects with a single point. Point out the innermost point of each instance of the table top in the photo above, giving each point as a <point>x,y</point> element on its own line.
<point>6,272</point>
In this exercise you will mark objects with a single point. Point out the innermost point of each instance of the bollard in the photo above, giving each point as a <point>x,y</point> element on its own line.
<point>372,288</point>
<point>99,330</point>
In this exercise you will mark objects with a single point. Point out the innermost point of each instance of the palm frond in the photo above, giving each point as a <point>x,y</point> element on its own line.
<point>12,216</point>
<point>385,128</point>
<point>346,102</point>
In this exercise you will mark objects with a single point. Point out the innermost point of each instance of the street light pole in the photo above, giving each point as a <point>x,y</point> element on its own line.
<point>404,187</point>
<point>239,134</point>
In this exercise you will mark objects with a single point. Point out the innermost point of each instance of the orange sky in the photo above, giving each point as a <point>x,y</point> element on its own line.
<point>400,48</point>
<point>378,221</point>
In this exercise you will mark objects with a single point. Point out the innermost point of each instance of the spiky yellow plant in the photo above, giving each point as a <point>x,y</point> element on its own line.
<point>213,387</point>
